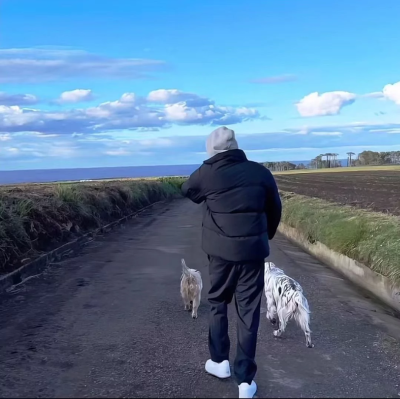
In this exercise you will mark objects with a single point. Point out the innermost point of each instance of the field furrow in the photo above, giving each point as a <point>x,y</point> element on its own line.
<point>375,190</point>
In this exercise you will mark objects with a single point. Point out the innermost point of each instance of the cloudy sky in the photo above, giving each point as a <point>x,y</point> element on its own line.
<point>99,83</point>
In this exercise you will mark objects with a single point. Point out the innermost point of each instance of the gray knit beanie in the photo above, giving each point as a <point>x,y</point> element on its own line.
<point>221,140</point>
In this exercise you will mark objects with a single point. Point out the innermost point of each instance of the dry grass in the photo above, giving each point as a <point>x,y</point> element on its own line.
<point>38,218</point>
<point>371,238</point>
<point>341,170</point>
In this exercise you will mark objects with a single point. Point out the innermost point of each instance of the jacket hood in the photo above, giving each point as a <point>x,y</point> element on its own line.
<point>227,156</point>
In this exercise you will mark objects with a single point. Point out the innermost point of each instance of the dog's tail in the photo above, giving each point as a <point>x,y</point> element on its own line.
<point>302,315</point>
<point>269,265</point>
<point>185,269</point>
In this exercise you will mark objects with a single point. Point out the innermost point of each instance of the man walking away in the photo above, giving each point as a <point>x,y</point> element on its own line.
<point>242,214</point>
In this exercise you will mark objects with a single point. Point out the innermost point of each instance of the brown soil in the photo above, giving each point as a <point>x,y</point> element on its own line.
<point>375,190</point>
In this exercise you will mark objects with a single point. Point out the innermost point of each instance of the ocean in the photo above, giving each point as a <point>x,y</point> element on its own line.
<point>52,175</point>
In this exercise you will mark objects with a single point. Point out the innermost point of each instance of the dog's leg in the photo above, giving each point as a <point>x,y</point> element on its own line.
<point>309,343</point>
<point>272,314</point>
<point>283,320</point>
<point>196,304</point>
<point>303,320</point>
<point>186,300</point>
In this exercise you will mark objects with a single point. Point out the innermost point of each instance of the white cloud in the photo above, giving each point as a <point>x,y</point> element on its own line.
<point>5,137</point>
<point>126,103</point>
<point>117,152</point>
<point>43,136</point>
<point>17,99</point>
<point>75,96</point>
<point>122,149</point>
<point>392,92</point>
<point>181,113</point>
<point>12,150</point>
<point>173,96</point>
<point>327,133</point>
<point>375,94</point>
<point>64,151</point>
<point>10,110</point>
<point>329,103</point>
<point>388,131</point>
<point>156,142</point>
<point>43,64</point>
<point>30,148</point>
<point>129,112</point>
<point>166,96</point>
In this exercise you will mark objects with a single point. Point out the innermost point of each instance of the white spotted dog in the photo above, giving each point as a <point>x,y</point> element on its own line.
<point>285,299</point>
<point>191,287</point>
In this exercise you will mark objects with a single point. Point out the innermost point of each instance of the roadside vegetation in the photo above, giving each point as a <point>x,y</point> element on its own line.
<point>371,238</point>
<point>37,218</point>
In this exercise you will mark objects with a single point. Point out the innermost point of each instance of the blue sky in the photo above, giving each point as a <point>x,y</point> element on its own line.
<point>100,83</point>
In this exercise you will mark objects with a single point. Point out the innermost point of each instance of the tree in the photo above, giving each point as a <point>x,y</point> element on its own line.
<point>349,155</point>
<point>384,158</point>
<point>279,166</point>
<point>329,159</point>
<point>319,161</point>
<point>335,161</point>
<point>300,166</point>
<point>395,157</point>
<point>363,158</point>
<point>369,158</point>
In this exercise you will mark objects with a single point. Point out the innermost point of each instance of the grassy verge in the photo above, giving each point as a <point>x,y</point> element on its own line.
<point>39,218</point>
<point>368,237</point>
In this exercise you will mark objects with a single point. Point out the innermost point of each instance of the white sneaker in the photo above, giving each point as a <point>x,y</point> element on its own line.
<point>246,390</point>
<point>219,370</point>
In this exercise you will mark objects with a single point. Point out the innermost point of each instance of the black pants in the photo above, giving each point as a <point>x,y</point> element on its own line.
<point>246,282</point>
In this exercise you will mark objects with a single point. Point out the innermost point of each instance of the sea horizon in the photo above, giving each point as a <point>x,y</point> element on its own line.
<point>93,173</point>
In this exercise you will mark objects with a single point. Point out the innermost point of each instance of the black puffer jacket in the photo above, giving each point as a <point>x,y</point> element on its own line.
<point>242,206</point>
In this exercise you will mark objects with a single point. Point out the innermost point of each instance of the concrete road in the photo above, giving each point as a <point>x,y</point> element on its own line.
<point>110,323</point>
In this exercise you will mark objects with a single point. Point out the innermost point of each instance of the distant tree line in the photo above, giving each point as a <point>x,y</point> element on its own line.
<point>281,166</point>
<point>329,160</point>
<point>378,158</point>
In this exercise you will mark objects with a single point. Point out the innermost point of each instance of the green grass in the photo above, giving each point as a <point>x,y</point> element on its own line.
<point>340,170</point>
<point>368,237</point>
<point>38,218</point>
